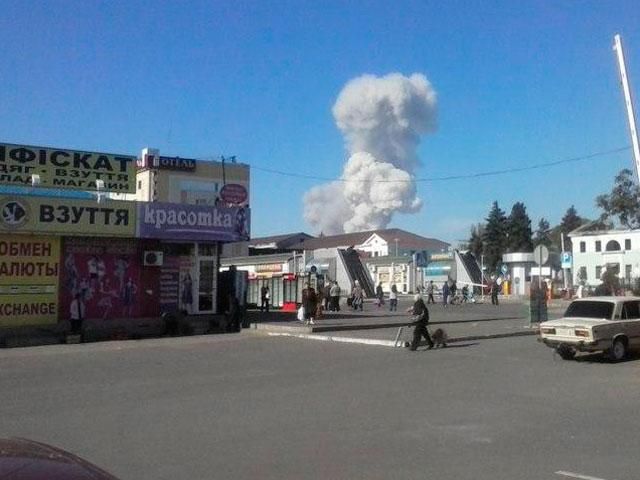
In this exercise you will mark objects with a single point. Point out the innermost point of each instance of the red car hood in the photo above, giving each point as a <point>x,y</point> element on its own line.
<point>22,459</point>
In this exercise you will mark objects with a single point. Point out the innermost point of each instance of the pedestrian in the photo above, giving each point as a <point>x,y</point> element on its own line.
<point>357,296</point>
<point>420,317</point>
<point>465,294</point>
<point>76,312</point>
<point>233,314</point>
<point>335,297</point>
<point>393,298</point>
<point>379,295</point>
<point>452,291</point>
<point>494,292</point>
<point>310,304</point>
<point>264,298</point>
<point>326,295</point>
<point>445,293</point>
<point>430,298</point>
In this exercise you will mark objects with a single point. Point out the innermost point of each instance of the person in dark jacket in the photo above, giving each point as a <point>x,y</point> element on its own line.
<point>310,303</point>
<point>495,288</point>
<point>420,320</point>
<point>379,295</point>
<point>264,298</point>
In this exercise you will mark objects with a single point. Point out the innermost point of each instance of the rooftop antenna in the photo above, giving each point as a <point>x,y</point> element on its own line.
<point>617,47</point>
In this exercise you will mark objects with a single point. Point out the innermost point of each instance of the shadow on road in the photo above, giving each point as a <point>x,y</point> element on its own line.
<point>602,358</point>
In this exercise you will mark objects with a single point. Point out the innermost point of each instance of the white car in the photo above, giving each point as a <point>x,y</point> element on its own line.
<point>595,324</point>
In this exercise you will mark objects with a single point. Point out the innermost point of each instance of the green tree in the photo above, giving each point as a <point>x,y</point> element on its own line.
<point>519,229</point>
<point>623,202</point>
<point>475,243</point>
<point>543,233</point>
<point>495,238</point>
<point>570,221</point>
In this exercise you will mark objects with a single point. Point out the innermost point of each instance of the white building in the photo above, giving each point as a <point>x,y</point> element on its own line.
<point>595,251</point>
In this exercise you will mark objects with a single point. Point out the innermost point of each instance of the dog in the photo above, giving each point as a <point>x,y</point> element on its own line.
<point>439,338</point>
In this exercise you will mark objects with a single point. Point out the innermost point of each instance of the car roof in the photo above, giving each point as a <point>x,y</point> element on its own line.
<point>607,299</point>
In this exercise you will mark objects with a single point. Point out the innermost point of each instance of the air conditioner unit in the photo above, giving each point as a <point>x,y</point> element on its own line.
<point>153,259</point>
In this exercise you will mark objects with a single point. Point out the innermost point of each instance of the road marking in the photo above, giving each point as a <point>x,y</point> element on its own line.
<point>327,338</point>
<point>577,475</point>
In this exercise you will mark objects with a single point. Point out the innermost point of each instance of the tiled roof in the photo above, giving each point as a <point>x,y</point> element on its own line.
<point>283,240</point>
<point>406,240</point>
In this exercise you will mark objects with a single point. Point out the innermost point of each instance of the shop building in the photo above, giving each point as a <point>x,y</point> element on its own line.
<point>381,256</point>
<point>123,260</point>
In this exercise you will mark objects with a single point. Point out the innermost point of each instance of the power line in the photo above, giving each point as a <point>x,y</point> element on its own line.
<point>452,177</point>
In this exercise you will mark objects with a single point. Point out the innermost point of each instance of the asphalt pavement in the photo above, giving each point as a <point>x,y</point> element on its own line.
<point>244,406</point>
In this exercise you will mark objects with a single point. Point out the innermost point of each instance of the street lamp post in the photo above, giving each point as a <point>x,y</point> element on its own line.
<point>482,275</point>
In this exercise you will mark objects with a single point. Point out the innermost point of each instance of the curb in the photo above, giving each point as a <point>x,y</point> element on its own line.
<point>393,344</point>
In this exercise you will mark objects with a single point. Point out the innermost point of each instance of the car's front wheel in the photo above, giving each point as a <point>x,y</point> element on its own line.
<point>618,350</point>
<point>566,352</point>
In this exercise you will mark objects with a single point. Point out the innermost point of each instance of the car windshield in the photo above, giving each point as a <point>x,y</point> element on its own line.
<point>590,309</point>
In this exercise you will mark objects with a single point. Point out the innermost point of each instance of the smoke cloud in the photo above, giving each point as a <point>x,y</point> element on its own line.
<point>382,120</point>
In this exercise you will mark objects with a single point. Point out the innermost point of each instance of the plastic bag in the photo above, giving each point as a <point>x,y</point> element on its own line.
<point>301,313</point>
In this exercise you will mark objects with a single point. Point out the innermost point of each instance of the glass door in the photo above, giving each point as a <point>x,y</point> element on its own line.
<point>206,286</point>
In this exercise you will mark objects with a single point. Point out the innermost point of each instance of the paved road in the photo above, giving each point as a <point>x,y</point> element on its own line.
<point>245,406</point>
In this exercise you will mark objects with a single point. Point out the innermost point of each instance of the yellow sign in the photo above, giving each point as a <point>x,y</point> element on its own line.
<point>65,216</point>
<point>72,169</point>
<point>29,272</point>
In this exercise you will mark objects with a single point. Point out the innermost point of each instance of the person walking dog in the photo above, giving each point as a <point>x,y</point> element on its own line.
<point>420,316</point>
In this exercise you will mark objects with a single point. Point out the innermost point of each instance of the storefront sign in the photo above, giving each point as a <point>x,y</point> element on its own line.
<point>234,193</point>
<point>72,169</point>
<point>29,268</point>
<point>167,163</point>
<point>272,267</point>
<point>192,222</point>
<point>66,216</point>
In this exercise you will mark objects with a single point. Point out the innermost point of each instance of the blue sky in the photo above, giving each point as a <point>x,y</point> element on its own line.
<point>518,83</point>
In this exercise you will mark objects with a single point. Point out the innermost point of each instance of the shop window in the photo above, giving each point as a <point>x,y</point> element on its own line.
<point>598,246</point>
<point>207,249</point>
<point>627,272</point>
<point>627,244</point>
<point>583,247</point>
<point>612,246</point>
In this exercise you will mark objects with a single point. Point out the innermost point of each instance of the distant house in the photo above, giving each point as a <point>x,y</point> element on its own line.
<point>596,250</point>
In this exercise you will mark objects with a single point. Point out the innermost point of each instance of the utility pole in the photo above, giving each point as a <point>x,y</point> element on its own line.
<point>624,79</point>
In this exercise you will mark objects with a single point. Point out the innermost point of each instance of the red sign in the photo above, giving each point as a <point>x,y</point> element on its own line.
<point>234,193</point>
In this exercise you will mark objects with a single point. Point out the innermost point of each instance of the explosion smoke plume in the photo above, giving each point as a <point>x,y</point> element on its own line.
<point>382,119</point>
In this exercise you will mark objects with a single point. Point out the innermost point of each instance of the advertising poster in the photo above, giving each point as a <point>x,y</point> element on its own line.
<point>176,284</point>
<point>105,275</point>
<point>29,267</point>
<point>27,214</point>
<point>69,169</point>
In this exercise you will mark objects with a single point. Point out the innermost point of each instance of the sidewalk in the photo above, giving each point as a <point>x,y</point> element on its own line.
<point>380,327</point>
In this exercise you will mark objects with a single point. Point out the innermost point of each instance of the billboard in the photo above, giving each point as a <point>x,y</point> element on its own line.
<point>29,267</point>
<point>105,275</point>
<point>171,221</point>
<point>65,216</point>
<point>68,169</point>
